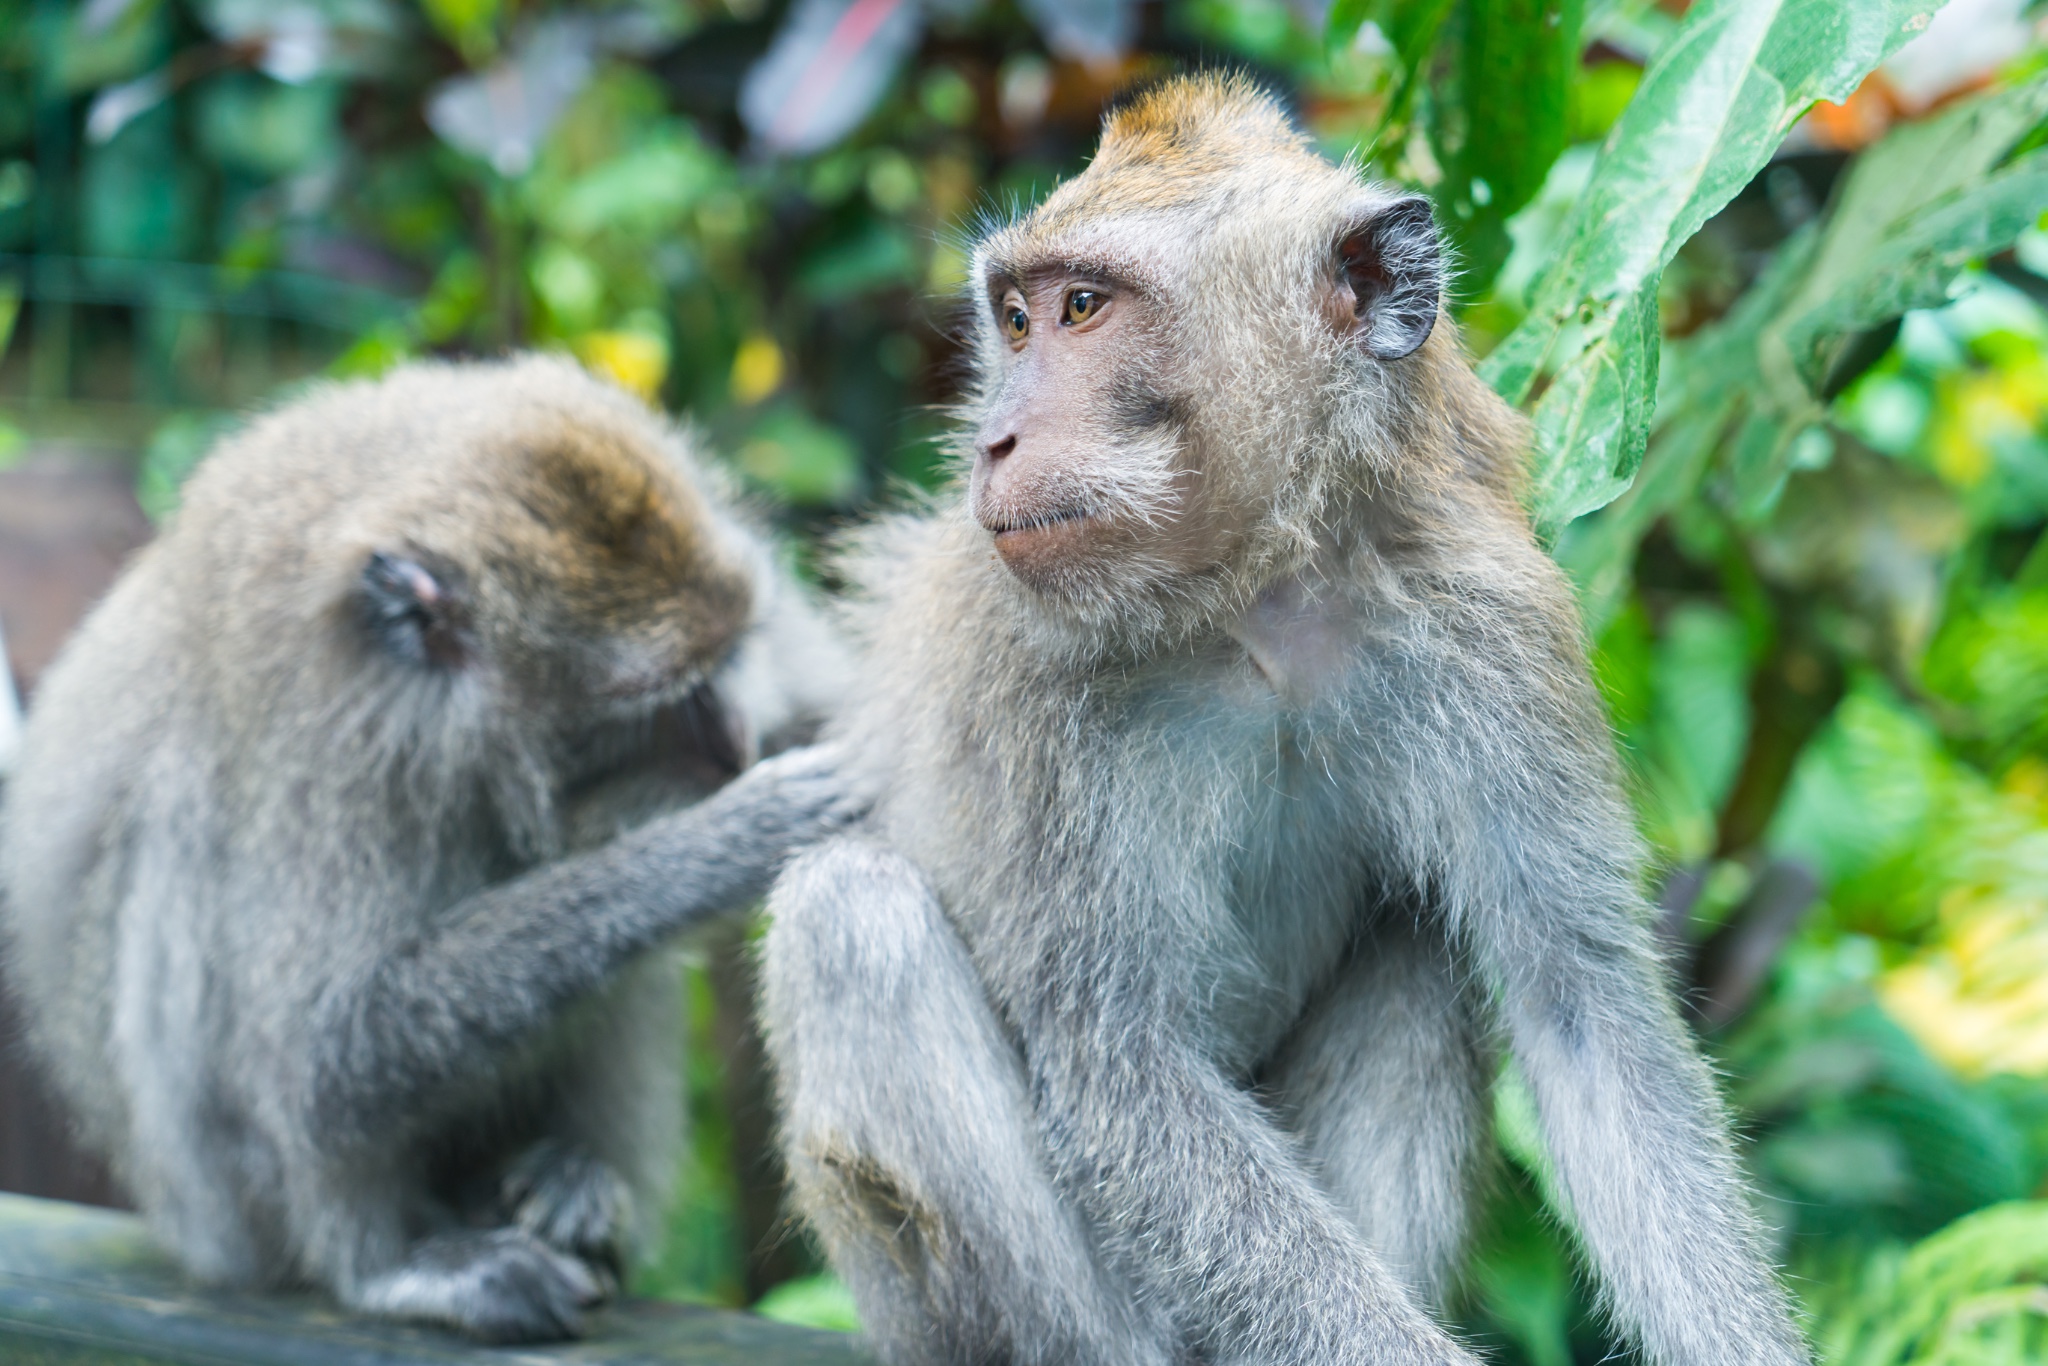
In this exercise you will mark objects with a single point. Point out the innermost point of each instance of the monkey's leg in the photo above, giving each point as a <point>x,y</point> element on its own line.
<point>1387,1083</point>
<point>1196,1187</point>
<point>909,1137</point>
<point>359,1219</point>
<point>429,1013</point>
<point>597,1184</point>
<point>183,1160</point>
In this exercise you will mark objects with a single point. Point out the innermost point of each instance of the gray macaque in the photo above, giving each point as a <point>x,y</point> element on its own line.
<point>1243,785</point>
<point>292,896</point>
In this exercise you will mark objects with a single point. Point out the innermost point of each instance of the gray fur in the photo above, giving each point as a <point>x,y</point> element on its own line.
<point>290,886</point>
<point>1164,1030</point>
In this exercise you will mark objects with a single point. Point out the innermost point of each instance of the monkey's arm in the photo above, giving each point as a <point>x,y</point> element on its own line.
<point>1193,1180</point>
<point>1628,1108</point>
<point>427,1014</point>
<point>1536,866</point>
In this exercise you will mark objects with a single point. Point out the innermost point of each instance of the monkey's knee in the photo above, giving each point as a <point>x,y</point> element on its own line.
<point>852,922</point>
<point>855,1199</point>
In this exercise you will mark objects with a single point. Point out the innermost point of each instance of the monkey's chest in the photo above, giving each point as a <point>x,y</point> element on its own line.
<point>1294,891</point>
<point>1203,834</point>
<point>1264,822</point>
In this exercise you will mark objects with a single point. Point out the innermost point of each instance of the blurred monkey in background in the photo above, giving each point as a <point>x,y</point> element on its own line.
<point>1243,786</point>
<point>291,882</point>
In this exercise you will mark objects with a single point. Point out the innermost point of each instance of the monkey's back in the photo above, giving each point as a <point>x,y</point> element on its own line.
<point>67,834</point>
<point>116,818</point>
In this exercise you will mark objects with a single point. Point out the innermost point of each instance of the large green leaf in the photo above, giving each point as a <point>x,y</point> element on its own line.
<point>1710,111</point>
<point>1969,1295</point>
<point>1705,397</point>
<point>1915,209</point>
<point>1410,26</point>
<point>1501,118</point>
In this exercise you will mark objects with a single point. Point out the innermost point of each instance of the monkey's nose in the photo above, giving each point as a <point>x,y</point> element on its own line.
<point>998,449</point>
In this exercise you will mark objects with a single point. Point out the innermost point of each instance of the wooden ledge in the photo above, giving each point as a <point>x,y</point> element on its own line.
<point>87,1287</point>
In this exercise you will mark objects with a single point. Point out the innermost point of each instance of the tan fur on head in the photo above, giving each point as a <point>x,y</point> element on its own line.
<point>1167,146</point>
<point>573,512</point>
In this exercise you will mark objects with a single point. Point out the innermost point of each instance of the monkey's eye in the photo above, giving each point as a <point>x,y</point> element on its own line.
<point>1016,323</point>
<point>1082,305</point>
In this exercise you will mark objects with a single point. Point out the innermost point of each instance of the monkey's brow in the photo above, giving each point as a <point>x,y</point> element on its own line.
<point>1116,275</point>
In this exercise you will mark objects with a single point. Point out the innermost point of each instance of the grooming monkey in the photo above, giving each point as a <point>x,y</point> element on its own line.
<point>284,866</point>
<point>1243,783</point>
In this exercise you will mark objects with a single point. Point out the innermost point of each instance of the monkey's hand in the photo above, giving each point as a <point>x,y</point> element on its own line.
<point>575,1204</point>
<point>721,853</point>
<point>795,798</point>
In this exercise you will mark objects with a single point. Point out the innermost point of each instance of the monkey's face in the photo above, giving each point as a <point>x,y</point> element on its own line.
<point>1184,351</point>
<point>1105,461</point>
<point>1085,464</point>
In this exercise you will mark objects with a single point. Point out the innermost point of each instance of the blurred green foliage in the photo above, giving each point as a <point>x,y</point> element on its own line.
<point>1789,399</point>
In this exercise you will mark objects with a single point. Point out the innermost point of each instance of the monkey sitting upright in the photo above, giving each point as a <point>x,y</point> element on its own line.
<point>284,893</point>
<point>1243,782</point>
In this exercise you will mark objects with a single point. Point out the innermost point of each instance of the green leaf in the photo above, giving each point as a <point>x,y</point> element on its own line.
<point>1914,210</point>
<point>874,255</point>
<point>265,127</point>
<point>1711,109</point>
<point>801,460</point>
<point>139,197</point>
<point>1994,660</point>
<point>1594,421</point>
<point>1346,18</point>
<point>1700,680</point>
<point>646,191</point>
<point>1502,120</point>
<point>819,1301</point>
<point>174,451</point>
<point>1970,1293</point>
<point>1705,404</point>
<point>1522,1276</point>
<point>1410,26</point>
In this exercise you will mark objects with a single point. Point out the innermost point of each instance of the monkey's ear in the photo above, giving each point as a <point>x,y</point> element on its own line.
<point>1391,264</point>
<point>410,610</point>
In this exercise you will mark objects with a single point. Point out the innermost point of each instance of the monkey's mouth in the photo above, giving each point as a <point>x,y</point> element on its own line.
<point>1001,527</point>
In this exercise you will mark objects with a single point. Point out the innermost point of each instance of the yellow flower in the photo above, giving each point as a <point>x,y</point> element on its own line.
<point>632,360</point>
<point>1980,408</point>
<point>1977,996</point>
<point>756,369</point>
